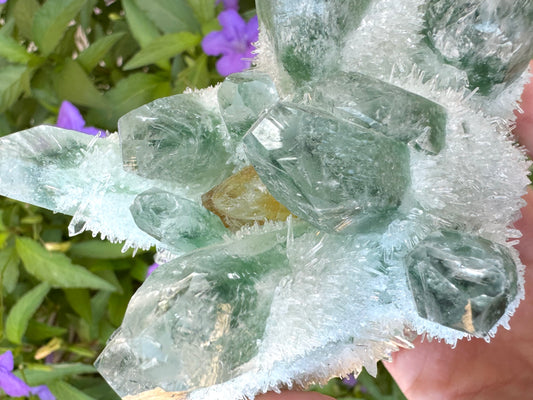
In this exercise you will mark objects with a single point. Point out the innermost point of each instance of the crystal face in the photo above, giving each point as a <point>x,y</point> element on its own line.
<point>203,313</point>
<point>242,98</point>
<point>360,177</point>
<point>383,107</point>
<point>162,140</point>
<point>181,223</point>
<point>338,175</point>
<point>307,36</point>
<point>243,199</point>
<point>491,40</point>
<point>462,281</point>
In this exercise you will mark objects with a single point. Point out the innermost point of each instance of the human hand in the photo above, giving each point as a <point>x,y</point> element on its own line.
<point>475,369</point>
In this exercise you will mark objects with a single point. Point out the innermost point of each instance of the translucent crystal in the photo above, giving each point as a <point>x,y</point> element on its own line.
<point>163,140</point>
<point>307,36</point>
<point>242,97</point>
<point>335,174</point>
<point>381,106</point>
<point>243,199</point>
<point>76,174</point>
<point>181,223</point>
<point>462,281</point>
<point>197,319</point>
<point>491,40</point>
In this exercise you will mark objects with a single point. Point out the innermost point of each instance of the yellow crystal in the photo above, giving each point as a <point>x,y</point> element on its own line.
<point>243,199</point>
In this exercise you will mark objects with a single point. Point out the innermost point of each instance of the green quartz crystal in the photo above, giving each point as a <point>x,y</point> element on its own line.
<point>198,318</point>
<point>242,97</point>
<point>308,36</point>
<point>492,41</point>
<point>164,140</point>
<point>381,106</point>
<point>182,224</point>
<point>462,281</point>
<point>335,174</point>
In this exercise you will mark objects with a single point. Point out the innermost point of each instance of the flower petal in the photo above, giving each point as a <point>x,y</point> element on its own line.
<point>13,385</point>
<point>232,63</point>
<point>43,392</point>
<point>6,361</point>
<point>252,30</point>
<point>233,26</point>
<point>69,117</point>
<point>216,43</point>
<point>151,269</point>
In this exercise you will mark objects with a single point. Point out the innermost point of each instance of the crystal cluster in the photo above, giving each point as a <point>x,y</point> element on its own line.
<point>359,184</point>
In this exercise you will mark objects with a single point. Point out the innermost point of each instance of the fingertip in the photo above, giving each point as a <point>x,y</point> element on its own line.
<point>524,121</point>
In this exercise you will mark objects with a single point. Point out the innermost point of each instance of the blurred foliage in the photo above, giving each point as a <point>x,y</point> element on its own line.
<point>61,298</point>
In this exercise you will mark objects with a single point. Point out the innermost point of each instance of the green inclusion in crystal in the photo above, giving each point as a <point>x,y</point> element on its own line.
<point>242,97</point>
<point>176,139</point>
<point>180,223</point>
<point>381,106</point>
<point>308,36</point>
<point>461,281</point>
<point>198,318</point>
<point>335,174</point>
<point>492,41</point>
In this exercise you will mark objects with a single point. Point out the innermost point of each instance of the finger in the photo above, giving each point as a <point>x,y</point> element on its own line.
<point>293,396</point>
<point>524,121</point>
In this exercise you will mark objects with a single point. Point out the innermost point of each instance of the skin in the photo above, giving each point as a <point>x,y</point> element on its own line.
<point>475,369</point>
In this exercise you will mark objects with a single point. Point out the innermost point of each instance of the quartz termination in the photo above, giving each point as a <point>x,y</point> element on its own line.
<point>312,208</point>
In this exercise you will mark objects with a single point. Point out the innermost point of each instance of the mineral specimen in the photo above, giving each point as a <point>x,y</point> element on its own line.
<point>404,189</point>
<point>491,40</point>
<point>335,174</point>
<point>461,281</point>
<point>243,199</point>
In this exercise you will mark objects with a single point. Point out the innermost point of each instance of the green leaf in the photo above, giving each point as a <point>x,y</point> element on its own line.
<point>56,268</point>
<point>80,301</point>
<point>196,75</point>
<point>51,21</point>
<point>73,84</point>
<point>38,331</point>
<point>90,57</point>
<point>170,15</point>
<point>12,51</point>
<point>142,28</point>
<point>63,391</point>
<point>43,374</point>
<point>99,249</point>
<point>130,93</point>
<point>163,48</point>
<point>13,81</point>
<point>24,11</point>
<point>9,269</point>
<point>203,9</point>
<point>21,313</point>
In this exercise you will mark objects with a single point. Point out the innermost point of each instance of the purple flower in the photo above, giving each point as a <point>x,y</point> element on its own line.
<point>2,1</point>
<point>234,42</point>
<point>230,4</point>
<point>43,392</point>
<point>69,117</point>
<point>11,384</point>
<point>350,380</point>
<point>151,269</point>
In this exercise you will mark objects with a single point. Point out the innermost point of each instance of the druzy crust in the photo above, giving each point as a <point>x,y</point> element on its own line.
<point>338,175</point>
<point>462,281</point>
